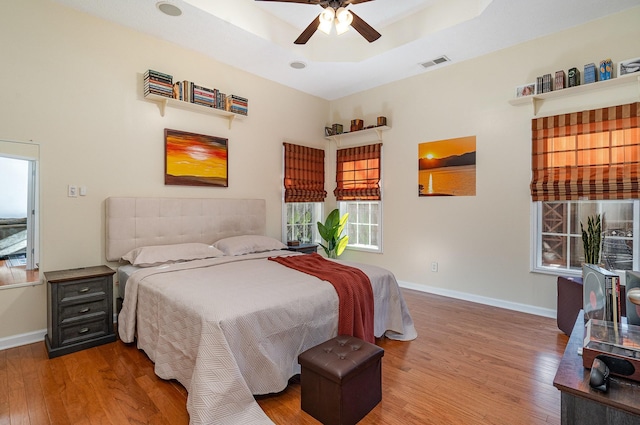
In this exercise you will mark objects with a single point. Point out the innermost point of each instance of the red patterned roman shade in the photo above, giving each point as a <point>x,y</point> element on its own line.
<point>303,174</point>
<point>358,173</point>
<point>591,155</point>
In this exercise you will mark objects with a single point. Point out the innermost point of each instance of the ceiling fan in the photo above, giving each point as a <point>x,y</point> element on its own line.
<point>335,10</point>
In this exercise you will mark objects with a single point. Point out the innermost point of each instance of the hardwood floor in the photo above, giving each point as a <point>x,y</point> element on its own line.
<point>471,364</point>
<point>11,274</point>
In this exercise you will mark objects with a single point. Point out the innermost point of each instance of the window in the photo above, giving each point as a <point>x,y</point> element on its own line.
<point>358,175</point>
<point>303,192</point>
<point>558,242</point>
<point>583,164</point>
<point>363,225</point>
<point>301,221</point>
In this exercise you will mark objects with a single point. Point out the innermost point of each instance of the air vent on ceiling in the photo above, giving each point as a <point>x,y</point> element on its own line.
<point>436,61</point>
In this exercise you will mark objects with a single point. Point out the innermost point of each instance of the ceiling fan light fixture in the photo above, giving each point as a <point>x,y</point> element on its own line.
<point>326,19</point>
<point>344,18</point>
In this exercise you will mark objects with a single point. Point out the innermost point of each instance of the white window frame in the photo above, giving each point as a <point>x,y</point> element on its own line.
<point>317,215</point>
<point>344,207</point>
<point>536,238</point>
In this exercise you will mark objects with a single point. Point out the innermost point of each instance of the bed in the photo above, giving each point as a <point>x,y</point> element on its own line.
<point>204,302</point>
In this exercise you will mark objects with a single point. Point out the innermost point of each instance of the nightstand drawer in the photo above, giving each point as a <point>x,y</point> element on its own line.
<point>86,288</point>
<point>71,312</point>
<point>84,330</point>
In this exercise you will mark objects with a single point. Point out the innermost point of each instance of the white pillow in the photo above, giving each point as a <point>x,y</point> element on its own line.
<point>247,244</point>
<point>148,256</point>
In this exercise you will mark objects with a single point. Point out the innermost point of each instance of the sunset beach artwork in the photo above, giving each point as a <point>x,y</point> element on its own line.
<point>195,159</point>
<point>447,167</point>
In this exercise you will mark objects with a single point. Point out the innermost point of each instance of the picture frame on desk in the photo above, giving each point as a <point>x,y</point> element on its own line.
<point>528,89</point>
<point>628,66</point>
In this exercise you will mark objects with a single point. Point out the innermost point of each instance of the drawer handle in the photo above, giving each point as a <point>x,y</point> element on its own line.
<point>83,331</point>
<point>85,289</point>
<point>84,310</point>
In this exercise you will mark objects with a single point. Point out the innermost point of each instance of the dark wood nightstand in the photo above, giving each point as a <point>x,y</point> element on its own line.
<point>79,309</point>
<point>305,248</point>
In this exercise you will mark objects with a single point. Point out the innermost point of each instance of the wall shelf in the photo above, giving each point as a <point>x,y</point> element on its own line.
<point>163,102</point>
<point>353,135</point>
<point>536,99</point>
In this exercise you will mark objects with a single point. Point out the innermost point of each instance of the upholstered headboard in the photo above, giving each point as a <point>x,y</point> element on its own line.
<point>135,222</point>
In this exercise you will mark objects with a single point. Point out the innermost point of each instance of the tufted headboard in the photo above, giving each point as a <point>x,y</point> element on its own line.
<point>135,222</point>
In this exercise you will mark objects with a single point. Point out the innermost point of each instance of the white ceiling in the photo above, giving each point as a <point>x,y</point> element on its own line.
<point>257,36</point>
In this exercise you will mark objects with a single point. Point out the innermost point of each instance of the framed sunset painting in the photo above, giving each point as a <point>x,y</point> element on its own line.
<point>195,159</point>
<point>447,167</point>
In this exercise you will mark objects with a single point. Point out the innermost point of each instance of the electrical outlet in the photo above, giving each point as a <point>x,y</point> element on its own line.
<point>434,266</point>
<point>72,191</point>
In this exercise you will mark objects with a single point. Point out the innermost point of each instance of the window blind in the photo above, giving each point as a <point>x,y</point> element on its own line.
<point>358,173</point>
<point>588,155</point>
<point>303,174</point>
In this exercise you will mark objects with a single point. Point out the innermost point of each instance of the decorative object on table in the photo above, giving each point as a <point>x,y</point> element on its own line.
<point>328,131</point>
<point>560,79</point>
<point>590,73</point>
<point>632,299</point>
<point>356,125</point>
<point>573,77</point>
<point>195,159</point>
<point>628,66</point>
<point>592,239</point>
<point>331,233</point>
<point>381,121</point>
<point>600,293</point>
<point>526,90</point>
<point>337,129</point>
<point>606,68</point>
<point>293,243</point>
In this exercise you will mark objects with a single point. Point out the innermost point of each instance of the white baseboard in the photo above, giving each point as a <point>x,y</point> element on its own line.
<point>22,339</point>
<point>524,308</point>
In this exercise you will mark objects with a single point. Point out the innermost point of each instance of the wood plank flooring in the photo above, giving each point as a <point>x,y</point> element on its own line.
<point>471,364</point>
<point>10,274</point>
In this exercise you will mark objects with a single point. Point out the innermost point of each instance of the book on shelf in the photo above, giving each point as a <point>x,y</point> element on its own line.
<point>161,84</point>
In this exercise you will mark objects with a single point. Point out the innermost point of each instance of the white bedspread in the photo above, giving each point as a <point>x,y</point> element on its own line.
<point>230,327</point>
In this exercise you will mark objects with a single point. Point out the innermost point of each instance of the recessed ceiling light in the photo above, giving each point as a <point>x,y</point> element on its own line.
<point>168,8</point>
<point>298,65</point>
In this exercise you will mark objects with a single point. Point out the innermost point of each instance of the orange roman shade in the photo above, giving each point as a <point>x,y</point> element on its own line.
<point>303,174</point>
<point>358,173</point>
<point>588,155</point>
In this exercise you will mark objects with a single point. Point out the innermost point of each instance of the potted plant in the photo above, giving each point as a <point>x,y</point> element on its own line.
<point>591,239</point>
<point>331,233</point>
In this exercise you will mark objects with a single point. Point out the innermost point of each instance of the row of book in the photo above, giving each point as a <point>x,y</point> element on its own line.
<point>158,83</point>
<point>162,84</point>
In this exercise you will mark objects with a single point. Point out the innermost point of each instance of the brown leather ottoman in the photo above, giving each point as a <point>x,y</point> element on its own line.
<point>341,380</point>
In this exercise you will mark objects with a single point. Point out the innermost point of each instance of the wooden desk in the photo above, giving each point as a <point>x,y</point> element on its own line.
<point>581,404</point>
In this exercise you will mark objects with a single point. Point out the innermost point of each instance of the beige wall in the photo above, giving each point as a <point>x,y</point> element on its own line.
<point>481,243</point>
<point>73,84</point>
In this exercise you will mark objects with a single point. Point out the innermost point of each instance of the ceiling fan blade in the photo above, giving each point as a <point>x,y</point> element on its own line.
<point>308,31</point>
<point>364,29</point>
<point>346,2</point>
<point>299,1</point>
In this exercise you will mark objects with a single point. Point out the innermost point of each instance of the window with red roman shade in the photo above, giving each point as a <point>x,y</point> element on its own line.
<point>303,174</point>
<point>588,155</point>
<point>358,173</point>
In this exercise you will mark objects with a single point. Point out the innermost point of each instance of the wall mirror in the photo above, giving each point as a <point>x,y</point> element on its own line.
<point>19,214</point>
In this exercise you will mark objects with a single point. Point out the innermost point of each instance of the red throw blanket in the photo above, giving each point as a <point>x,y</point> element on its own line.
<point>355,308</point>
